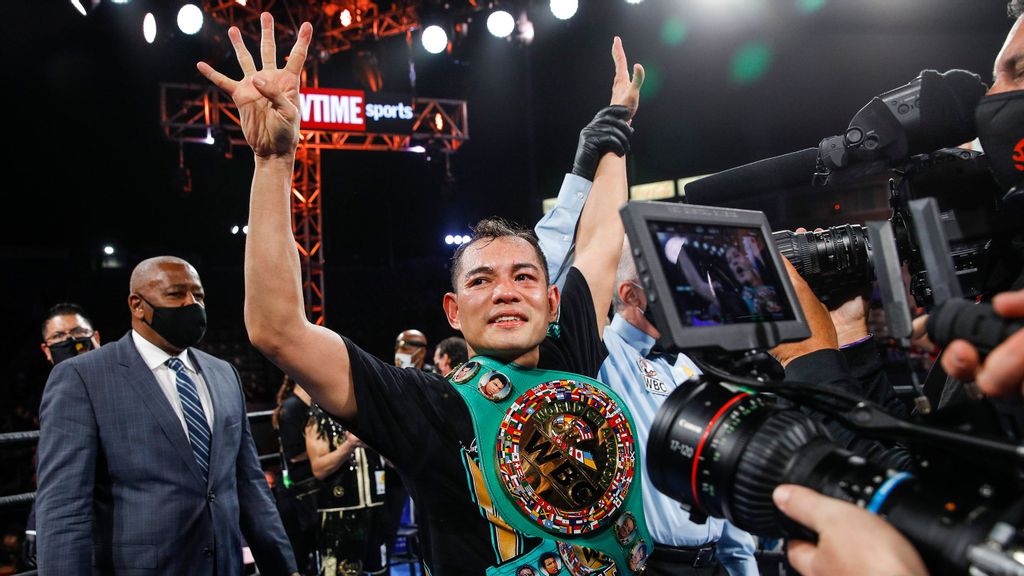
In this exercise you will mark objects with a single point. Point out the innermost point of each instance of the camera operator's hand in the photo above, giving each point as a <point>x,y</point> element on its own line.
<point>851,317</point>
<point>823,333</point>
<point>919,336</point>
<point>851,541</point>
<point>1002,373</point>
<point>851,320</point>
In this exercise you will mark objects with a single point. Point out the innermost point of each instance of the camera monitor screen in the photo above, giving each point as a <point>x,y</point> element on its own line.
<point>714,275</point>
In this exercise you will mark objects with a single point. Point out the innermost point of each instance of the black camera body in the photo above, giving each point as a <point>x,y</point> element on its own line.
<point>722,443</point>
<point>839,262</point>
<point>721,451</point>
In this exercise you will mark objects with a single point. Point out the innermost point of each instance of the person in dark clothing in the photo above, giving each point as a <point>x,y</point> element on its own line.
<point>500,301</point>
<point>295,489</point>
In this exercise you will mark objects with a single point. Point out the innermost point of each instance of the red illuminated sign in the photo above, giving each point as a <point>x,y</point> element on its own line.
<point>331,109</point>
<point>355,111</point>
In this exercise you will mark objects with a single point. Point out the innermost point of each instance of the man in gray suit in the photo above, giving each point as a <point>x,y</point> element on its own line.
<point>146,462</point>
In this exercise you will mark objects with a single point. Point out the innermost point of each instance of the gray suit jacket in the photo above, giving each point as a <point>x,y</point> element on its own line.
<point>119,490</point>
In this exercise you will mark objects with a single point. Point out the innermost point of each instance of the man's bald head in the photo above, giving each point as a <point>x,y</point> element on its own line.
<point>162,282</point>
<point>152,270</point>
<point>412,345</point>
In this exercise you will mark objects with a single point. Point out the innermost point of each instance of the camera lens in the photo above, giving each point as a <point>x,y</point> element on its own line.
<point>721,451</point>
<point>834,262</point>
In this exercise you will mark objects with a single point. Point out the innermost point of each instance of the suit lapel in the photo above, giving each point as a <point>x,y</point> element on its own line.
<point>218,391</point>
<point>140,378</point>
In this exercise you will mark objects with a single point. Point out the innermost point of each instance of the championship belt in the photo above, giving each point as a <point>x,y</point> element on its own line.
<point>560,462</point>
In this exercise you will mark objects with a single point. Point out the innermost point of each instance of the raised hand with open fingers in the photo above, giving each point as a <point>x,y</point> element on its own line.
<point>267,99</point>
<point>626,91</point>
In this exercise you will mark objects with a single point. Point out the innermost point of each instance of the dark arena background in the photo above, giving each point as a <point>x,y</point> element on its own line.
<point>94,183</point>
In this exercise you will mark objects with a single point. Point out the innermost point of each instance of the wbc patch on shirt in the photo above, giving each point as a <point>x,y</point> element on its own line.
<point>653,384</point>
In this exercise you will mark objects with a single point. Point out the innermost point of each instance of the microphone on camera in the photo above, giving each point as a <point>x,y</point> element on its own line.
<point>930,112</point>
<point>768,175</point>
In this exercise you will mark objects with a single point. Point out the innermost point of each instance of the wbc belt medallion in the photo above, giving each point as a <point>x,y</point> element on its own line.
<point>566,456</point>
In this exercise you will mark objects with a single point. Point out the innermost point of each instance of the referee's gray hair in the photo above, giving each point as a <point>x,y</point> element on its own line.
<point>626,272</point>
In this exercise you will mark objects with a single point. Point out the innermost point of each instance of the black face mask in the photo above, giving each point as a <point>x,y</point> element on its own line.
<point>182,326</point>
<point>999,120</point>
<point>649,315</point>
<point>69,349</point>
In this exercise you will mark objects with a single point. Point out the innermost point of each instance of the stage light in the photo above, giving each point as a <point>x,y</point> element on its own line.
<point>434,39</point>
<point>449,239</point>
<point>524,29</point>
<point>564,9</point>
<point>438,121</point>
<point>190,19</point>
<point>500,23</point>
<point>466,239</point>
<point>346,17</point>
<point>120,1</point>
<point>149,27</point>
<point>241,2</point>
<point>416,149</point>
<point>633,1</point>
<point>85,7</point>
<point>108,250</point>
<point>234,229</point>
<point>245,229</point>
<point>209,137</point>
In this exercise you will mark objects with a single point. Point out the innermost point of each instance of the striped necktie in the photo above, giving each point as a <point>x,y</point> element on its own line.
<point>195,418</point>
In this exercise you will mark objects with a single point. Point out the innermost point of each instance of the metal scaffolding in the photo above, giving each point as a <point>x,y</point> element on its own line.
<point>202,114</point>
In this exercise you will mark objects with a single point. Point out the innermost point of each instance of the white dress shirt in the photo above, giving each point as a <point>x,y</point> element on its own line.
<point>155,359</point>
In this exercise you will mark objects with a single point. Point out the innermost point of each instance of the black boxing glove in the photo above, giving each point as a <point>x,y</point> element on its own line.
<point>607,132</point>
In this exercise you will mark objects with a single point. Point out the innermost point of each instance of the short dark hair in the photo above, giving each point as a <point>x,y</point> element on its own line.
<point>490,229</point>
<point>63,309</point>
<point>1015,8</point>
<point>455,348</point>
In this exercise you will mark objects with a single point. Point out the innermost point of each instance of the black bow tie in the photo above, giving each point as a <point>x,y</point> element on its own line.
<point>659,352</point>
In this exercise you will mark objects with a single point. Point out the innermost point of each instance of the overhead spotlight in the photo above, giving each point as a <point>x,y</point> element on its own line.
<point>466,239</point>
<point>438,121</point>
<point>524,29</point>
<point>346,17</point>
<point>85,7</point>
<point>500,23</point>
<point>234,229</point>
<point>416,149</point>
<point>245,229</point>
<point>120,1</point>
<point>633,1</point>
<point>449,239</point>
<point>434,39</point>
<point>149,27</point>
<point>190,19</point>
<point>564,9</point>
<point>108,250</point>
<point>209,137</point>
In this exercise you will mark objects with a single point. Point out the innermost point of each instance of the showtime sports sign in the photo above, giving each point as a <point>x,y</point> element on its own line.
<point>355,111</point>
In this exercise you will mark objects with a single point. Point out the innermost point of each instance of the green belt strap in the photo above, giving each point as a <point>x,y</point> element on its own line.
<point>560,462</point>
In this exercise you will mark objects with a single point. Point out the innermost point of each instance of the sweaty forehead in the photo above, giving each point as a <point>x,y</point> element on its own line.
<point>499,253</point>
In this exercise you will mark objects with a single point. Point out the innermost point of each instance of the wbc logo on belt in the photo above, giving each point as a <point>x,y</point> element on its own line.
<point>566,456</point>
